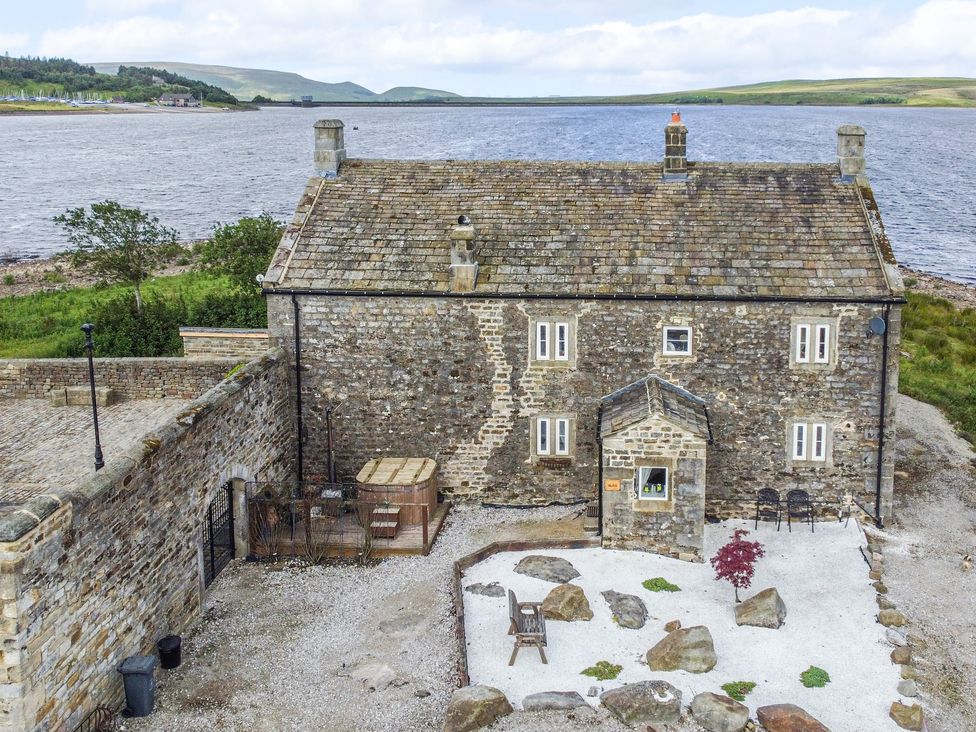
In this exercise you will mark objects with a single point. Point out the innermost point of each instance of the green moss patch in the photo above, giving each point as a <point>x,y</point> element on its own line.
<point>603,671</point>
<point>738,689</point>
<point>659,584</point>
<point>815,677</point>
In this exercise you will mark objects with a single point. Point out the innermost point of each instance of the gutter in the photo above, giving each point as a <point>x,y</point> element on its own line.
<point>882,414</point>
<point>640,297</point>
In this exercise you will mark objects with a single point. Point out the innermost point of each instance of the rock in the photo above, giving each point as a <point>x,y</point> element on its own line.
<point>891,618</point>
<point>874,574</point>
<point>884,603</point>
<point>567,602</point>
<point>896,637</point>
<point>787,718</point>
<point>374,675</point>
<point>910,718</point>
<point>907,687</point>
<point>422,693</point>
<point>593,691</point>
<point>474,707</point>
<point>546,700</point>
<point>718,713</point>
<point>492,589</point>
<point>645,702</point>
<point>689,649</point>
<point>550,569</point>
<point>765,609</point>
<point>672,626</point>
<point>880,587</point>
<point>901,655</point>
<point>629,611</point>
<point>908,672</point>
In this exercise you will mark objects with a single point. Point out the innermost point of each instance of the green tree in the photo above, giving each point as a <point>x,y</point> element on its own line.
<point>242,251</point>
<point>118,243</point>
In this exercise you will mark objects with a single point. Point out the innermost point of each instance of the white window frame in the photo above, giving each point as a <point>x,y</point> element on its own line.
<point>821,343</point>
<point>554,436</point>
<point>803,343</point>
<point>643,470</point>
<point>664,340</point>
<point>811,442</point>
<point>542,340</point>
<point>543,438</point>
<point>561,329</point>
<point>562,434</point>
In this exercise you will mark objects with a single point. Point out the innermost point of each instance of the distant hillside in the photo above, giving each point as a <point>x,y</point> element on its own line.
<point>245,84</point>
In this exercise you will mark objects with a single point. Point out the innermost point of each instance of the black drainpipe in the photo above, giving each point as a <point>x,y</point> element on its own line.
<point>599,470</point>
<point>881,420</point>
<point>298,395</point>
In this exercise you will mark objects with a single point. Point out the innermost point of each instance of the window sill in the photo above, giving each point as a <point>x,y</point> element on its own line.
<point>548,461</point>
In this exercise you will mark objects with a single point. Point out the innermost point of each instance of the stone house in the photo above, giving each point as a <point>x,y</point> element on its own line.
<point>666,338</point>
<point>178,100</point>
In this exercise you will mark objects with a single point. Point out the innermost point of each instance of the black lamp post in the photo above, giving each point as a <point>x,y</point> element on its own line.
<point>90,347</point>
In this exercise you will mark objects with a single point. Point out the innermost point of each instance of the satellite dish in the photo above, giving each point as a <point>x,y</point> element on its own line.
<point>877,326</point>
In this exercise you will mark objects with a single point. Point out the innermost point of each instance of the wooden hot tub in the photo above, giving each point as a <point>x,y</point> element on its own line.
<point>410,483</point>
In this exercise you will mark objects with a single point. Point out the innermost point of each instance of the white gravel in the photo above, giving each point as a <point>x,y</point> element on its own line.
<point>821,577</point>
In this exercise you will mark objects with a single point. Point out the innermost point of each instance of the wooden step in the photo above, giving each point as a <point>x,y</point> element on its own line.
<point>384,511</point>
<point>384,529</point>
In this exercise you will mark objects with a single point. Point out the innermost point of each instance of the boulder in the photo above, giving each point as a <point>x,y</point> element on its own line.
<point>884,603</point>
<point>896,637</point>
<point>688,649</point>
<point>787,718</point>
<point>474,707</point>
<point>907,687</point>
<point>567,602</point>
<point>765,609</point>
<point>646,702</point>
<point>906,717</point>
<point>559,700</point>
<point>550,569</point>
<point>718,713</point>
<point>629,611</point>
<point>891,618</point>
<point>880,587</point>
<point>492,589</point>
<point>901,655</point>
<point>672,626</point>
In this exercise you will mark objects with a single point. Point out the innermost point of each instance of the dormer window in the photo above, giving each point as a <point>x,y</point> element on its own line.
<point>553,342</point>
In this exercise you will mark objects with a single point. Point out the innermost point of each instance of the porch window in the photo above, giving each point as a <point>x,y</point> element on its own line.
<point>652,484</point>
<point>677,340</point>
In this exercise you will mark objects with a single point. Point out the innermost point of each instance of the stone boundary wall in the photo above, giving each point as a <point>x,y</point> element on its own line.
<point>100,570</point>
<point>210,343</point>
<point>469,560</point>
<point>131,378</point>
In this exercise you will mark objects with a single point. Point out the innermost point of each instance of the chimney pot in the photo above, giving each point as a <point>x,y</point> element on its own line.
<point>850,152</point>
<point>330,147</point>
<point>675,149</point>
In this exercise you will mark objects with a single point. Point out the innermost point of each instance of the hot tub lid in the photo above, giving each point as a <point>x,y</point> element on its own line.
<point>396,471</point>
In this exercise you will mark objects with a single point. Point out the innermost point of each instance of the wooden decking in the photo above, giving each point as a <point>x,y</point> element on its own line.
<point>343,536</point>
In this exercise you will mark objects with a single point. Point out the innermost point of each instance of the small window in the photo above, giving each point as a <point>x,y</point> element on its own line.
<point>810,442</point>
<point>677,341</point>
<point>803,344</point>
<point>652,484</point>
<point>822,354</point>
<point>813,343</point>
<point>553,341</point>
<point>553,437</point>
<point>542,341</point>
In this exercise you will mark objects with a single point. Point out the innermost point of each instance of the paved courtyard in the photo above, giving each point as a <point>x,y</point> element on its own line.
<point>44,446</point>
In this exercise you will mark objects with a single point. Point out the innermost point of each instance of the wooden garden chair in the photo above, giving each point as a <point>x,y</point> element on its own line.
<point>528,625</point>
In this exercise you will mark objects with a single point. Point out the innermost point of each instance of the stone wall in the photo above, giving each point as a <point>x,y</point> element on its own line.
<point>101,570</point>
<point>451,378</point>
<point>131,378</point>
<point>213,343</point>
<point>674,527</point>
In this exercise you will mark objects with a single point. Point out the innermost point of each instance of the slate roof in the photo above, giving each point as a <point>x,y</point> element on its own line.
<point>653,396</point>
<point>581,228</point>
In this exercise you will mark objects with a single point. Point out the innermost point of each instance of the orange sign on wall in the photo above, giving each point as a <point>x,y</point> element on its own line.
<point>611,485</point>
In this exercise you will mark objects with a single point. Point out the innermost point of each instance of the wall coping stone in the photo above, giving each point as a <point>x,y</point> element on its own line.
<point>256,333</point>
<point>35,511</point>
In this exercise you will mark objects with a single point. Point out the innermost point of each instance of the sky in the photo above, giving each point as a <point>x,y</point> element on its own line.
<point>514,47</point>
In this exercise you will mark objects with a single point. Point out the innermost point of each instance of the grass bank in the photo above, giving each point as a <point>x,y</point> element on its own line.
<point>940,366</point>
<point>46,324</point>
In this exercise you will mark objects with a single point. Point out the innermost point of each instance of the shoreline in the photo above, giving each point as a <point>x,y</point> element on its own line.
<point>121,109</point>
<point>50,274</point>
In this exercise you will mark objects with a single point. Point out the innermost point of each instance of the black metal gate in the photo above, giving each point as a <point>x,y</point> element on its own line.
<point>218,534</point>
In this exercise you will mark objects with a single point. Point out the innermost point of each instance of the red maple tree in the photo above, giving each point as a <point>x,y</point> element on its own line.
<point>736,561</point>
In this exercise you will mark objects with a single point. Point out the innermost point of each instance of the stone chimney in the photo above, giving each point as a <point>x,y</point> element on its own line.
<point>330,148</point>
<point>850,152</point>
<point>464,262</point>
<point>675,149</point>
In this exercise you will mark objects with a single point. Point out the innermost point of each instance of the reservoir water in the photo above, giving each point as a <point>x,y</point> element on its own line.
<point>196,170</point>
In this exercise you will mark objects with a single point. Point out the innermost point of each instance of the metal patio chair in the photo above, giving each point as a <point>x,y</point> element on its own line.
<point>768,506</point>
<point>799,506</point>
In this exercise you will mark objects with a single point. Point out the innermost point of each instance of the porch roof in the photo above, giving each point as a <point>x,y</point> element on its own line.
<point>653,396</point>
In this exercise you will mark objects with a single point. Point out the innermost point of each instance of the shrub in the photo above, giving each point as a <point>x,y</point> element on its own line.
<point>121,330</point>
<point>9,279</point>
<point>815,677</point>
<point>603,671</point>
<point>736,561</point>
<point>910,282</point>
<point>233,309</point>
<point>659,584</point>
<point>54,276</point>
<point>738,689</point>
<point>242,251</point>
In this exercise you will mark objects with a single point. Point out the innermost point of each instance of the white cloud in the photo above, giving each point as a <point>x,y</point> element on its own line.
<point>432,41</point>
<point>14,42</point>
